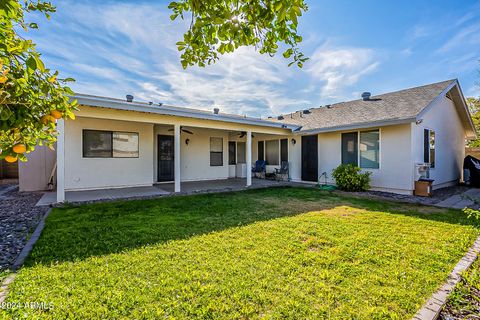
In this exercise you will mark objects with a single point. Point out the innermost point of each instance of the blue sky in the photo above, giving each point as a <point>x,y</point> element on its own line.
<point>117,47</point>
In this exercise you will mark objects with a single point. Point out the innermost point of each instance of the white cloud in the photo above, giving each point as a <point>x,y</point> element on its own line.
<point>116,48</point>
<point>340,68</point>
<point>469,35</point>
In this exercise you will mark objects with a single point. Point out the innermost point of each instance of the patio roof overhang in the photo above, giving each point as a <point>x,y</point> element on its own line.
<point>167,110</point>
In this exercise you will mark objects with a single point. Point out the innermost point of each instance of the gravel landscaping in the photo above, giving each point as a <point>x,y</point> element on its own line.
<point>18,219</point>
<point>438,195</point>
<point>464,302</point>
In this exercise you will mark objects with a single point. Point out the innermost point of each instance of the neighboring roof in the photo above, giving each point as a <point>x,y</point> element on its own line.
<point>386,109</point>
<point>104,102</point>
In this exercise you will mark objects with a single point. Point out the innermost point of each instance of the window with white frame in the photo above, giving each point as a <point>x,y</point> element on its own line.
<point>429,147</point>
<point>361,148</point>
<point>241,152</point>
<point>370,149</point>
<point>272,152</point>
<point>216,152</point>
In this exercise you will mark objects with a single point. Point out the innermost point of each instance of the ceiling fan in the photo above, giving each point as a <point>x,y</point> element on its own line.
<point>183,130</point>
<point>243,134</point>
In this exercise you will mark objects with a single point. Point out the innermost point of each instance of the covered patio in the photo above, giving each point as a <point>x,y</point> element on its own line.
<point>164,189</point>
<point>147,150</point>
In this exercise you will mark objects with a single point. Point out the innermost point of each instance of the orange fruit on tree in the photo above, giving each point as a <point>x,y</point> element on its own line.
<point>56,114</point>
<point>10,159</point>
<point>19,148</point>
<point>46,119</point>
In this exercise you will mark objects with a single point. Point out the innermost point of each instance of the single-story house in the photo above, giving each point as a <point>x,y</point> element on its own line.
<point>122,143</point>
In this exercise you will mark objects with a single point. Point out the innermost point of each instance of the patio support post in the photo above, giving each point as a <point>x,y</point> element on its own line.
<point>249,158</point>
<point>61,160</point>
<point>177,156</point>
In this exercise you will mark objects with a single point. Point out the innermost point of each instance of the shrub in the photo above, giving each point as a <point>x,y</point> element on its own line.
<point>350,178</point>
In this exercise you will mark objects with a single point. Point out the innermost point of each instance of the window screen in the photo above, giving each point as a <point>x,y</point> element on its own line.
<point>370,149</point>
<point>272,152</point>
<point>284,150</point>
<point>432,148</point>
<point>350,148</point>
<point>241,152</point>
<point>125,145</point>
<point>232,152</point>
<point>97,144</point>
<point>261,149</point>
<point>429,147</point>
<point>216,152</point>
<point>426,149</point>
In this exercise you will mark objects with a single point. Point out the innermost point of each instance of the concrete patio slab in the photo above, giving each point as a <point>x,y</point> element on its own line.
<point>165,189</point>
<point>460,201</point>
<point>224,185</point>
<point>103,194</point>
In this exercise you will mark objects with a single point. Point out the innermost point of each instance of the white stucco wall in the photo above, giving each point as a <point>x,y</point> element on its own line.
<point>91,173</point>
<point>395,173</point>
<point>35,173</point>
<point>195,157</point>
<point>443,118</point>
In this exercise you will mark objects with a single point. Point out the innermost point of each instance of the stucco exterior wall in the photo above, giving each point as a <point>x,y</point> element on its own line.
<point>35,173</point>
<point>443,118</point>
<point>91,173</point>
<point>395,173</point>
<point>195,157</point>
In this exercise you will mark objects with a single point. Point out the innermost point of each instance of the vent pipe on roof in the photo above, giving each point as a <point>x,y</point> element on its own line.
<point>129,98</point>
<point>216,110</point>
<point>366,96</point>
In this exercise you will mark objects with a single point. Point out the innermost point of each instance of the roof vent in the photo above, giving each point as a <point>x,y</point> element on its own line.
<point>366,96</point>
<point>328,106</point>
<point>306,111</point>
<point>216,110</point>
<point>280,118</point>
<point>129,98</point>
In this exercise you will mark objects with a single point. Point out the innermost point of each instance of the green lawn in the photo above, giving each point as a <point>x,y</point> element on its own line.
<point>272,253</point>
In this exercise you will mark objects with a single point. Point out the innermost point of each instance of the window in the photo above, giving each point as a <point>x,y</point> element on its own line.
<point>284,150</point>
<point>261,150</point>
<point>110,144</point>
<point>272,152</point>
<point>241,152</point>
<point>369,149</point>
<point>216,152</point>
<point>361,148</point>
<point>350,148</point>
<point>429,147</point>
<point>125,145</point>
<point>232,152</point>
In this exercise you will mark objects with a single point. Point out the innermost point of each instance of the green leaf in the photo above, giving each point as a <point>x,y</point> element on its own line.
<point>39,63</point>
<point>31,64</point>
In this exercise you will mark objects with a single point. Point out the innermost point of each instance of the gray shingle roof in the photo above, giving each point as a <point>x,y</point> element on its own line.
<point>389,107</point>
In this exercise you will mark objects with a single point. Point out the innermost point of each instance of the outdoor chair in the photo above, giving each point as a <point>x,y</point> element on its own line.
<point>260,168</point>
<point>282,173</point>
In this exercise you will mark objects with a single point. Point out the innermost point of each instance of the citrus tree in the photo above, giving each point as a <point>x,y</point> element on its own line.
<point>32,97</point>
<point>218,27</point>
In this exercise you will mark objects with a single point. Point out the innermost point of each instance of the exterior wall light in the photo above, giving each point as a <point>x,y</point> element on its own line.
<point>187,141</point>
<point>294,141</point>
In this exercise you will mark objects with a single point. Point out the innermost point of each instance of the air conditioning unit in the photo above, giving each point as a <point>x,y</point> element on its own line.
<point>422,171</point>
